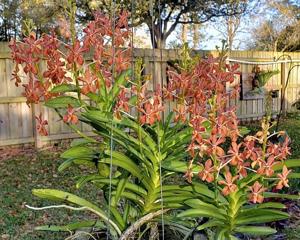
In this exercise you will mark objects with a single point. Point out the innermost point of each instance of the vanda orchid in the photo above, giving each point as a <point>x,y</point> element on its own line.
<point>242,170</point>
<point>223,186</point>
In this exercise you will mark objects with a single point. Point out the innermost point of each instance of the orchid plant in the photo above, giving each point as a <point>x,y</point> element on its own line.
<point>242,174</point>
<point>102,92</point>
<point>141,148</point>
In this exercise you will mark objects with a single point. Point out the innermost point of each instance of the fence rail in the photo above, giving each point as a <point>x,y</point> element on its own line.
<point>17,121</point>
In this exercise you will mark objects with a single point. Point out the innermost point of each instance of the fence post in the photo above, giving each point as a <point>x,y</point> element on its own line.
<point>37,138</point>
<point>283,90</point>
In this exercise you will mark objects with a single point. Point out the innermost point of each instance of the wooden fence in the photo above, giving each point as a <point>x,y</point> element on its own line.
<point>17,121</point>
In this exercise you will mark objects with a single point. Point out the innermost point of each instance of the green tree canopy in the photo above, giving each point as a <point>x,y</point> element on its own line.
<point>42,13</point>
<point>160,16</point>
<point>163,16</point>
<point>279,32</point>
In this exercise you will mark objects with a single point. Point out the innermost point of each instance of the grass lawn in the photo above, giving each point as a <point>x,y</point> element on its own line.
<point>291,124</point>
<point>27,170</point>
<point>22,173</point>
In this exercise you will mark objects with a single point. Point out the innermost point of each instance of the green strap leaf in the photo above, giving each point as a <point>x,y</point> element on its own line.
<point>178,166</point>
<point>174,193</point>
<point>78,152</point>
<point>202,189</point>
<point>62,102</point>
<point>197,203</point>
<point>119,82</point>
<point>120,160</point>
<point>67,163</point>
<point>118,218</point>
<point>198,189</point>
<point>64,88</point>
<point>57,195</point>
<point>200,213</point>
<point>271,205</point>
<point>72,226</point>
<point>96,178</point>
<point>221,234</point>
<point>182,136</point>
<point>294,175</point>
<point>79,141</point>
<point>255,230</point>
<point>290,163</point>
<point>260,216</point>
<point>209,224</point>
<point>121,134</point>
<point>130,149</point>
<point>180,198</point>
<point>84,162</point>
<point>132,196</point>
<point>281,195</point>
<point>124,122</point>
<point>120,189</point>
<point>157,206</point>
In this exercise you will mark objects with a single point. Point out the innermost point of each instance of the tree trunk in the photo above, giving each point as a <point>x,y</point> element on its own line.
<point>5,31</point>
<point>196,35</point>
<point>230,33</point>
<point>160,43</point>
<point>184,33</point>
<point>158,39</point>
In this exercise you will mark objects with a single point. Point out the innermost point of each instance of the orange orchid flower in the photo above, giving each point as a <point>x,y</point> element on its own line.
<point>242,168</point>
<point>234,151</point>
<point>256,193</point>
<point>206,173</point>
<point>283,182</point>
<point>189,173</point>
<point>250,150</point>
<point>76,53</point>
<point>266,168</point>
<point>214,147</point>
<point>90,83</point>
<point>229,184</point>
<point>70,117</point>
<point>151,111</point>
<point>181,113</point>
<point>285,149</point>
<point>41,123</point>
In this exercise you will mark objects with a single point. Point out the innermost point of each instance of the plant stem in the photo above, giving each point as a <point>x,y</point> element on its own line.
<point>73,36</point>
<point>135,226</point>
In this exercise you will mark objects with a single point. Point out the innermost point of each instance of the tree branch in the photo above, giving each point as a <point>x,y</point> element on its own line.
<point>166,20</point>
<point>174,25</point>
<point>169,15</point>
